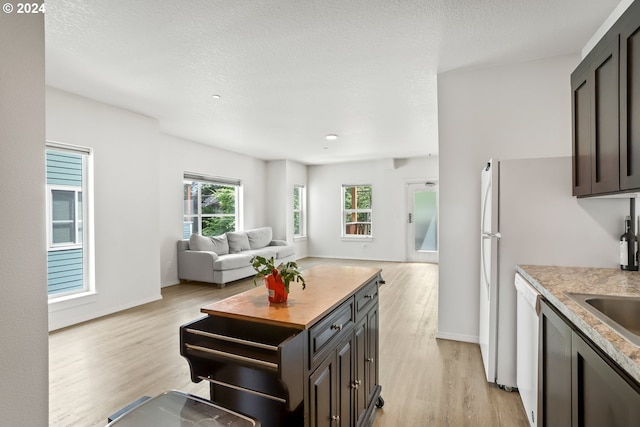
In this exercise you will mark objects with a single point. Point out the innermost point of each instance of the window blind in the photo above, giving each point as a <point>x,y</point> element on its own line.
<point>189,176</point>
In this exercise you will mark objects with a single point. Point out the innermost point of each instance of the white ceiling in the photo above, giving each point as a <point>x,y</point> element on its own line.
<point>289,72</point>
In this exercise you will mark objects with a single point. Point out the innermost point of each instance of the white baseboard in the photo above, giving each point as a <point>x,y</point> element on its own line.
<point>457,337</point>
<point>360,258</point>
<point>57,319</point>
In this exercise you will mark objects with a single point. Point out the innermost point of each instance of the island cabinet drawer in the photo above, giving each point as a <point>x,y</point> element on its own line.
<point>324,335</point>
<point>238,355</point>
<point>366,297</point>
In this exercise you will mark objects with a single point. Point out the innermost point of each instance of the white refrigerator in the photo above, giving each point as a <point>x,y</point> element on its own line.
<point>530,217</point>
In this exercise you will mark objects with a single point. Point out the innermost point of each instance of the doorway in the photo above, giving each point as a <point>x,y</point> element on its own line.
<point>422,222</point>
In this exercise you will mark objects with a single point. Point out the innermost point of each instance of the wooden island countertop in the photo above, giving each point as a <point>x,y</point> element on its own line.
<point>327,287</point>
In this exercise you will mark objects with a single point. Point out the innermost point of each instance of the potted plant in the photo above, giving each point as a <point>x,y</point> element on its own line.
<point>277,279</point>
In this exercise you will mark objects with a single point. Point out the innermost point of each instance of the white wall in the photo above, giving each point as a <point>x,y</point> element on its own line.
<point>177,156</point>
<point>125,154</point>
<point>508,112</point>
<point>388,180</point>
<point>277,185</point>
<point>24,367</point>
<point>282,176</point>
<point>138,199</point>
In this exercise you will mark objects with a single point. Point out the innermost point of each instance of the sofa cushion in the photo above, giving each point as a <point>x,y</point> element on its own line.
<point>238,241</point>
<point>259,237</point>
<point>221,244</point>
<point>267,252</point>
<point>231,261</point>
<point>200,243</point>
<point>217,244</point>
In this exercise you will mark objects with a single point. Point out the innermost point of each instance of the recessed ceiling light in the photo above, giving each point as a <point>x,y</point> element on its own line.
<point>331,137</point>
<point>216,96</point>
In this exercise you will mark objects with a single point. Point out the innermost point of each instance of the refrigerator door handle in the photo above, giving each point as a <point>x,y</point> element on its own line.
<point>484,269</point>
<point>491,235</point>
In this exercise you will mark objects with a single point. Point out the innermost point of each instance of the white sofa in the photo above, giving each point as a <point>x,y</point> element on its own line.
<point>225,258</point>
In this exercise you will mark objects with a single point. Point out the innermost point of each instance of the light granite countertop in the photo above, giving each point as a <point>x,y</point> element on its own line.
<point>554,282</point>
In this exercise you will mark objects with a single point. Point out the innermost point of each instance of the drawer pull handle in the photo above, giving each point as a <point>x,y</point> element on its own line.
<point>356,384</point>
<point>238,357</point>
<point>337,326</point>
<point>232,339</point>
<point>335,418</point>
<point>370,359</point>
<point>369,296</point>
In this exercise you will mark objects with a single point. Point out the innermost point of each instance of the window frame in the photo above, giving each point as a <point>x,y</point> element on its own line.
<point>200,180</point>
<point>344,212</point>
<point>84,221</point>
<point>301,211</point>
<point>78,243</point>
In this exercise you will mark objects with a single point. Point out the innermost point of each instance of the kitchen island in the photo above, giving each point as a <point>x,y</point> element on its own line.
<point>589,373</point>
<point>311,361</point>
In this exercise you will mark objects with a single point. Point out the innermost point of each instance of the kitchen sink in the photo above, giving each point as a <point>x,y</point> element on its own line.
<point>620,313</point>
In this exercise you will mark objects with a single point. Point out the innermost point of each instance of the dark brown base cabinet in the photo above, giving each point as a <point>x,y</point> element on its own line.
<point>554,388</point>
<point>344,388</point>
<point>323,376</point>
<point>579,385</point>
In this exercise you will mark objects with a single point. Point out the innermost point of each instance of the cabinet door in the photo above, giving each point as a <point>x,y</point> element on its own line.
<point>360,343</point>
<point>345,383</point>
<point>323,399</point>
<point>581,132</point>
<point>605,138</point>
<point>601,395</point>
<point>554,388</point>
<point>630,98</point>
<point>372,353</point>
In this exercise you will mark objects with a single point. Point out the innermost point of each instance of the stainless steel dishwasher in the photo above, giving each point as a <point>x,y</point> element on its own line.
<point>528,310</point>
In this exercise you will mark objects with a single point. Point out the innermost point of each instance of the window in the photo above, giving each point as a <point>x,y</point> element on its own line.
<point>356,211</point>
<point>210,205</point>
<point>68,245</point>
<point>299,223</point>
<point>66,217</point>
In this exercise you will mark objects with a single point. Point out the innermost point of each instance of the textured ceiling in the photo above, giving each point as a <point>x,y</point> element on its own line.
<point>289,72</point>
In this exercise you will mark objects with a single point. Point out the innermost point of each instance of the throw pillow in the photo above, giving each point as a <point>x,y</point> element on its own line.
<point>220,244</point>
<point>200,243</point>
<point>259,237</point>
<point>238,241</point>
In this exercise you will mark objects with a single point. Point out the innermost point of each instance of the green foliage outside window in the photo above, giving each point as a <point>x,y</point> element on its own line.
<point>357,210</point>
<point>215,213</point>
<point>218,199</point>
<point>362,197</point>
<point>297,210</point>
<point>217,225</point>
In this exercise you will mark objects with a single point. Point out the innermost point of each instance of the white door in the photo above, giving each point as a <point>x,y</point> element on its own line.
<point>422,222</point>
<point>489,268</point>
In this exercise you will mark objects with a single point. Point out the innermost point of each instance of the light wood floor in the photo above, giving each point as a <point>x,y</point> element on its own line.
<point>100,366</point>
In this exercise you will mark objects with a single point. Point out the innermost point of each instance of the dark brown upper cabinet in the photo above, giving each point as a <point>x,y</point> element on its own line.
<point>581,119</point>
<point>630,98</point>
<point>605,109</point>
<point>596,140</point>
